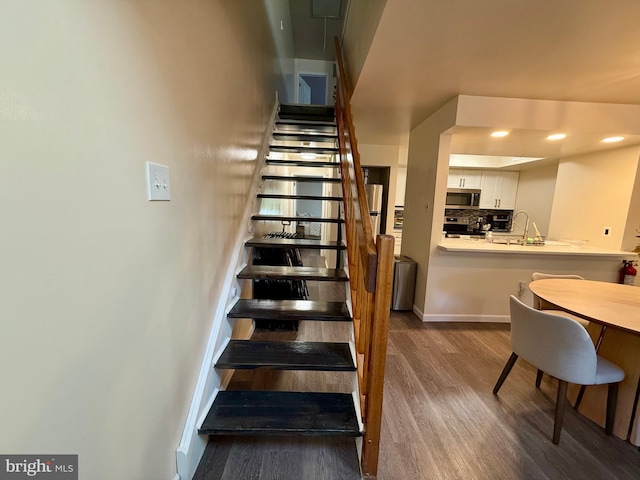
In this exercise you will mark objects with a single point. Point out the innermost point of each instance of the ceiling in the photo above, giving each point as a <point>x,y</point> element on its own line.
<point>315,23</point>
<point>426,52</point>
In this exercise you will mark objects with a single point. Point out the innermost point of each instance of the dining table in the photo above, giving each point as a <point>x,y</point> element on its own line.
<point>612,309</point>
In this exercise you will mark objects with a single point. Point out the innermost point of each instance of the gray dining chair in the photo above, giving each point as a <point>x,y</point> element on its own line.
<point>539,304</point>
<point>560,346</point>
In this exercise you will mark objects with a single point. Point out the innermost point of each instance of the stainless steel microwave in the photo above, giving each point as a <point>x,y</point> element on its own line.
<point>463,198</point>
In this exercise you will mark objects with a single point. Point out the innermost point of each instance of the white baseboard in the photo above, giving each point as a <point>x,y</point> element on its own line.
<point>464,318</point>
<point>460,318</point>
<point>192,445</point>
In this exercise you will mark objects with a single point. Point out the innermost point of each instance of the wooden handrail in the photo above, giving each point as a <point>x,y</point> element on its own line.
<point>370,276</point>
<point>352,179</point>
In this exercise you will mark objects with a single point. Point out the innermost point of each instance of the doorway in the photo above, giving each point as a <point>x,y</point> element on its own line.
<point>380,176</point>
<point>310,208</point>
<point>312,88</point>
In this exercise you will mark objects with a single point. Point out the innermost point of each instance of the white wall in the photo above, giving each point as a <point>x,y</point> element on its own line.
<point>536,189</point>
<point>594,191</point>
<point>279,16</point>
<point>107,298</point>
<point>361,24</point>
<point>631,238</point>
<point>427,171</point>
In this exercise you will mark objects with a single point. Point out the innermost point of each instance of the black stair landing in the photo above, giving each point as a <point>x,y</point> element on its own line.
<point>321,356</point>
<point>294,243</point>
<point>269,272</point>
<point>301,179</point>
<point>281,413</point>
<point>284,218</point>
<point>289,310</point>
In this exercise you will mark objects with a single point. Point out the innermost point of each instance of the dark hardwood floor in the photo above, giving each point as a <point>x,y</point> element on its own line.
<point>440,420</point>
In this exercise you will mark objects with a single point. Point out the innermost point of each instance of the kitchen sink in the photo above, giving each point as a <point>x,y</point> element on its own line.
<point>508,240</point>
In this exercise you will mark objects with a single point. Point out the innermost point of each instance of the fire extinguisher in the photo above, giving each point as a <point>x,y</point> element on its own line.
<point>627,273</point>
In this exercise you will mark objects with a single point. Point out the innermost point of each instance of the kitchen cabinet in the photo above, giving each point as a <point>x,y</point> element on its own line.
<point>499,190</point>
<point>464,178</point>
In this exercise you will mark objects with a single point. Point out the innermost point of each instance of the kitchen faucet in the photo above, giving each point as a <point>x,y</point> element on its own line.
<point>525,233</point>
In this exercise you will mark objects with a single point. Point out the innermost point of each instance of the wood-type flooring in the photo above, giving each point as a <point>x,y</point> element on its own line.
<point>440,419</point>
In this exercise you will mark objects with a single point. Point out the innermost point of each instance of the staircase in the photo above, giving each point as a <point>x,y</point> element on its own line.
<point>303,137</point>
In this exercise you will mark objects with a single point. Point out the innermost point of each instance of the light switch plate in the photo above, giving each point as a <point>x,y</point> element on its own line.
<point>158,185</point>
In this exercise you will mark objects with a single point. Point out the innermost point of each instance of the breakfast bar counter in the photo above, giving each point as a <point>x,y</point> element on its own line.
<point>473,245</point>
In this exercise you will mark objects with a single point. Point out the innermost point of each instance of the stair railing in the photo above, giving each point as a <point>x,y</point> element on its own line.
<point>370,277</point>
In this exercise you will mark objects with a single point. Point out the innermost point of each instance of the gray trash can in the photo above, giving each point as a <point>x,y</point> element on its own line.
<point>404,283</point>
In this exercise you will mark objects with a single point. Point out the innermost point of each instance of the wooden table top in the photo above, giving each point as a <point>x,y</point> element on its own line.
<point>605,303</point>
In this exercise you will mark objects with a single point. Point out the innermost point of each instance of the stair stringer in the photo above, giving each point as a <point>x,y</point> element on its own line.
<point>355,385</point>
<point>192,445</point>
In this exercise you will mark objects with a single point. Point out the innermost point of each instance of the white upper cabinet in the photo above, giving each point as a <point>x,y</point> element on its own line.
<point>499,190</point>
<point>464,178</point>
<point>489,190</point>
<point>508,190</point>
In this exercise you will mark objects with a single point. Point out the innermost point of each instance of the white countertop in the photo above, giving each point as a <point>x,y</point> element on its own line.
<point>551,248</point>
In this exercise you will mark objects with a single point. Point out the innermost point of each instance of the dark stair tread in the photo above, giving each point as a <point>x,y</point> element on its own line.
<point>304,137</point>
<point>283,218</point>
<point>298,197</point>
<point>301,179</point>
<point>302,126</point>
<point>306,108</point>
<point>294,243</point>
<point>281,413</point>
<point>302,163</point>
<point>269,272</point>
<point>286,310</point>
<point>302,149</point>
<point>322,356</point>
<point>307,112</point>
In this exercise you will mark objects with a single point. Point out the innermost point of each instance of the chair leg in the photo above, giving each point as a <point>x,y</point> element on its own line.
<point>539,378</point>
<point>505,371</point>
<point>561,399</point>
<point>603,330</point>
<point>579,397</point>
<point>634,410</point>
<point>612,401</point>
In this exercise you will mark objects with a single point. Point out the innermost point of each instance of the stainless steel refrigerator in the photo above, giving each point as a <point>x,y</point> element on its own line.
<point>374,200</point>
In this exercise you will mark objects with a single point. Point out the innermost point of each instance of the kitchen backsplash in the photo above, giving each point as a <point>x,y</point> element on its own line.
<point>478,216</point>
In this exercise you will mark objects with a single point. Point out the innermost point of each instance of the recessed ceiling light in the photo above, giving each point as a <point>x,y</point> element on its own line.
<point>500,133</point>
<point>557,136</point>
<point>612,139</point>
<point>308,156</point>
